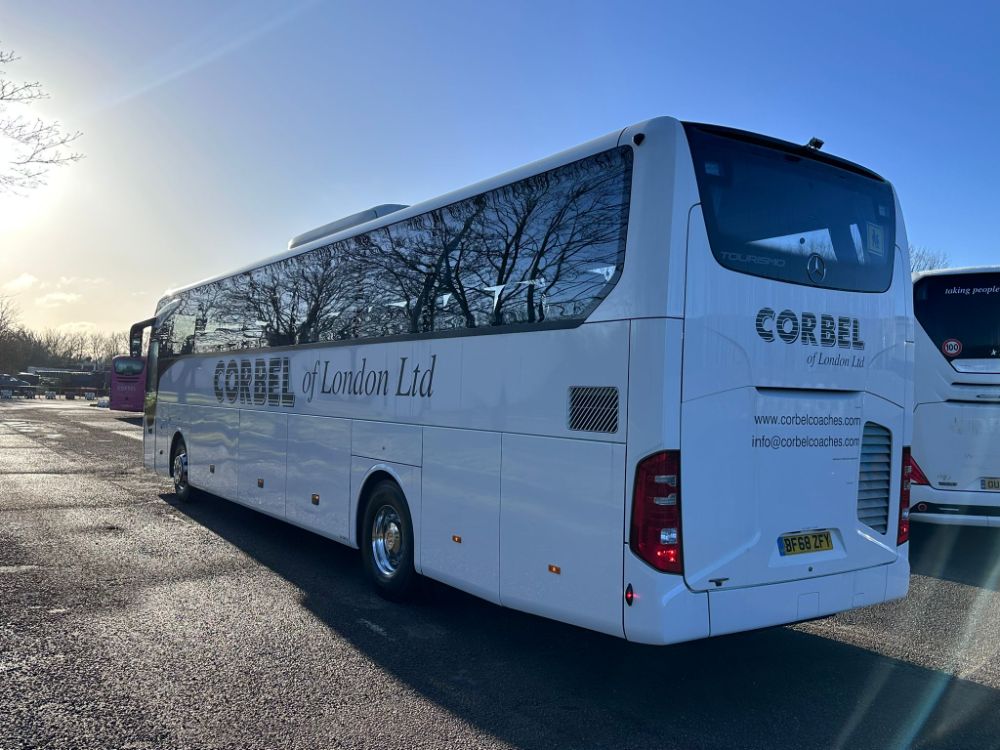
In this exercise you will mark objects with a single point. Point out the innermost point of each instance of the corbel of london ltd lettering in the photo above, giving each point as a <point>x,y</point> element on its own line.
<point>259,382</point>
<point>410,380</point>
<point>809,329</point>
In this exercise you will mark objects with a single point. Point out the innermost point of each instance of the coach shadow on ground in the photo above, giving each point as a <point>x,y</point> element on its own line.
<point>540,684</point>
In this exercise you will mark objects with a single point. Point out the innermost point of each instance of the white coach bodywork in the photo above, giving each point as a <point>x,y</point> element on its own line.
<point>509,503</point>
<point>956,427</point>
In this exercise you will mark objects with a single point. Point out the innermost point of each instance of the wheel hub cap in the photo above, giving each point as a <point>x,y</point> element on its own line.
<point>387,540</point>
<point>180,470</point>
<point>392,538</point>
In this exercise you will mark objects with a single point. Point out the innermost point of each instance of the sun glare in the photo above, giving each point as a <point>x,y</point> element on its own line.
<point>22,209</point>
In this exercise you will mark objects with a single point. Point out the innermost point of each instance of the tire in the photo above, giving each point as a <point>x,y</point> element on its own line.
<point>178,468</point>
<point>387,542</point>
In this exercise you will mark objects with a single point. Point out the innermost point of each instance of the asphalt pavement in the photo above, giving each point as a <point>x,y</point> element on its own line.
<point>130,620</point>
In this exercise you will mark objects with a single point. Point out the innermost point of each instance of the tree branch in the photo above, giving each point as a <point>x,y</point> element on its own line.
<point>38,145</point>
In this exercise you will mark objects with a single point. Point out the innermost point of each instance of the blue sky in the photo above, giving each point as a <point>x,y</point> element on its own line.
<point>216,131</point>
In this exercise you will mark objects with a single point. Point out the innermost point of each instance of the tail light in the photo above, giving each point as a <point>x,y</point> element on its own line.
<point>904,497</point>
<point>656,512</point>
<point>917,476</point>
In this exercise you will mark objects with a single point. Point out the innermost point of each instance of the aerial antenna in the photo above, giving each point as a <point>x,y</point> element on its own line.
<point>816,143</point>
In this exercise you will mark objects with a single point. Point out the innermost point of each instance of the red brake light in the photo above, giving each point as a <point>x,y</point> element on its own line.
<point>904,497</point>
<point>656,512</point>
<point>917,476</point>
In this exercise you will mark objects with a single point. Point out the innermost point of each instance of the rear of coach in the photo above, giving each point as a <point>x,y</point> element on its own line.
<point>785,495</point>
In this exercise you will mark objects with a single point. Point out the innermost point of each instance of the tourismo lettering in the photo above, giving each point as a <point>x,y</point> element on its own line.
<point>260,382</point>
<point>809,329</point>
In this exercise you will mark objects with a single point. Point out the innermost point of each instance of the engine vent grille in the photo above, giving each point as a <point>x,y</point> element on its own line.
<point>874,477</point>
<point>593,408</point>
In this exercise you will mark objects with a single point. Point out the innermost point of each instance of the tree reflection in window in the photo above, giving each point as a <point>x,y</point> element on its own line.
<point>544,249</point>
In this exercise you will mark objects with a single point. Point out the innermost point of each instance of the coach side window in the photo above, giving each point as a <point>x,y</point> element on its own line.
<point>214,327</point>
<point>545,249</point>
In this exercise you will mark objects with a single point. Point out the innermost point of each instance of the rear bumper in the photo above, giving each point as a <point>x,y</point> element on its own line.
<point>666,611</point>
<point>794,601</point>
<point>955,507</point>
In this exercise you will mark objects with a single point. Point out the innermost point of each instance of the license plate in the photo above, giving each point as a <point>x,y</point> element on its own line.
<point>989,483</point>
<point>799,544</point>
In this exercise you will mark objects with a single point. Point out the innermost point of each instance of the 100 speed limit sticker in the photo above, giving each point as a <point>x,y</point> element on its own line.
<point>951,347</point>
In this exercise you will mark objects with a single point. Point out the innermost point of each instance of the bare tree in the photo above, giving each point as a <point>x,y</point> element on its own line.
<point>118,342</point>
<point>55,342</point>
<point>9,317</point>
<point>38,144</point>
<point>76,346</point>
<point>923,259</point>
<point>10,330</point>
<point>95,345</point>
<point>20,347</point>
<point>103,347</point>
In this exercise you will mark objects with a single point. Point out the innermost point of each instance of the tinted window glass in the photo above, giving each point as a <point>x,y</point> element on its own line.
<point>217,324</point>
<point>541,249</point>
<point>128,366</point>
<point>783,216</point>
<point>961,314</point>
<point>545,249</point>
<point>163,331</point>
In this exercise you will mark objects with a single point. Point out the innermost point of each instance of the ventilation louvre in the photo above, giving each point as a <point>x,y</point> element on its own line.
<point>593,408</point>
<point>874,477</point>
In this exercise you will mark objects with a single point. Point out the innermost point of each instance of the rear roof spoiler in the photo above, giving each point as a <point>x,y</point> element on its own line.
<point>787,146</point>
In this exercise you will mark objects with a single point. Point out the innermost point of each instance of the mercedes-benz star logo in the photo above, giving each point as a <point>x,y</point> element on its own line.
<point>816,268</point>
